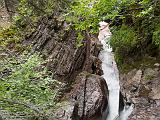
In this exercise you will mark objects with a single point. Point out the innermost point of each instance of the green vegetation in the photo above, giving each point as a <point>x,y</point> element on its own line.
<point>149,77</point>
<point>26,18</point>
<point>26,86</point>
<point>139,63</point>
<point>123,40</point>
<point>132,18</point>
<point>156,35</point>
<point>135,24</point>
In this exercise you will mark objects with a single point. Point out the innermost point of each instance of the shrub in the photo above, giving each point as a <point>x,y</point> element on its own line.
<point>27,89</point>
<point>156,35</point>
<point>123,41</point>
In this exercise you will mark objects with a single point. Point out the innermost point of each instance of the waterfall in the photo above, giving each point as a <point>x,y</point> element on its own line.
<point>111,76</point>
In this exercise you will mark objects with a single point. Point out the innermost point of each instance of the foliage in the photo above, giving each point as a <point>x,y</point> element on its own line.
<point>10,36</point>
<point>123,40</point>
<point>29,11</point>
<point>156,35</point>
<point>26,88</point>
<point>80,37</point>
<point>135,23</point>
<point>125,36</point>
<point>86,14</point>
<point>139,17</point>
<point>82,15</point>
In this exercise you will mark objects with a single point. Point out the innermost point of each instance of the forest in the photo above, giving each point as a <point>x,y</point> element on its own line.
<point>49,64</point>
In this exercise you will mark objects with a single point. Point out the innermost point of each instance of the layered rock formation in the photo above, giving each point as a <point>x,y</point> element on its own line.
<point>57,42</point>
<point>78,67</point>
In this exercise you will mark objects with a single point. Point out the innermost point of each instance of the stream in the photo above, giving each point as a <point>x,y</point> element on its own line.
<point>111,76</point>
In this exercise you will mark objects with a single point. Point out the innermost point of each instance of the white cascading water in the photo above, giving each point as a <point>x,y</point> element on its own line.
<point>111,75</point>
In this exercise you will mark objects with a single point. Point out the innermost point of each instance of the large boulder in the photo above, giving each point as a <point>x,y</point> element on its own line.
<point>87,99</point>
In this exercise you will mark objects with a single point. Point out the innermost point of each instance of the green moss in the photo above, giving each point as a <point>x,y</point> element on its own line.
<point>145,62</point>
<point>156,35</point>
<point>148,77</point>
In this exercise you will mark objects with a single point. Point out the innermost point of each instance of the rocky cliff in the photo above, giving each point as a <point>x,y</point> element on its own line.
<point>78,67</point>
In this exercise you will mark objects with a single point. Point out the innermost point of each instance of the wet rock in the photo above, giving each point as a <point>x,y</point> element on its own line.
<point>121,102</point>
